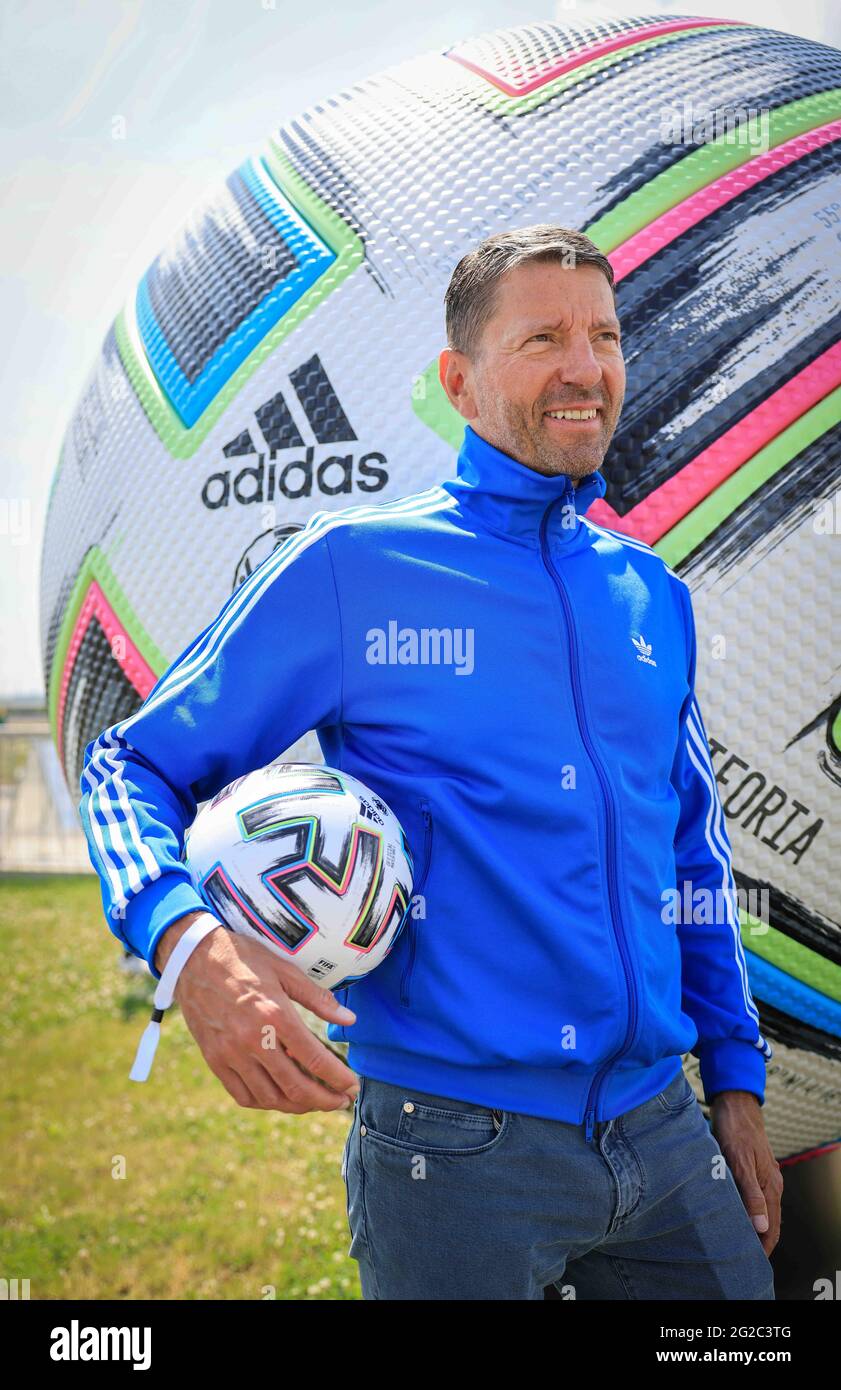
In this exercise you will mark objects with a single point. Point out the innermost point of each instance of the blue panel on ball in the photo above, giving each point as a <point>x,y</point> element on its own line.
<point>222,285</point>
<point>791,996</point>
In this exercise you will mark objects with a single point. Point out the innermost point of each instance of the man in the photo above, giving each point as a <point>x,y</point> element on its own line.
<point>522,1118</point>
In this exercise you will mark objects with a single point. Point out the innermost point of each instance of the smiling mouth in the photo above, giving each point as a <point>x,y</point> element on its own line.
<point>573,413</point>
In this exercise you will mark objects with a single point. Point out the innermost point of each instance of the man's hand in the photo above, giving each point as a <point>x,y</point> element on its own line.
<point>236,996</point>
<point>738,1126</point>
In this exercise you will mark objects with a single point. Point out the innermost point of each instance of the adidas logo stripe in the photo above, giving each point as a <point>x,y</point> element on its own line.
<point>319,402</point>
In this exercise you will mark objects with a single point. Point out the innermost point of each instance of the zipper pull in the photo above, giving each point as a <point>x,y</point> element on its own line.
<point>589,1125</point>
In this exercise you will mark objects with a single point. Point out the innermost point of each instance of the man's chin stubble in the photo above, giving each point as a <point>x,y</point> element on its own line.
<point>577,466</point>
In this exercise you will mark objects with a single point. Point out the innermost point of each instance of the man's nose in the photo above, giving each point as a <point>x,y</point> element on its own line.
<point>577,364</point>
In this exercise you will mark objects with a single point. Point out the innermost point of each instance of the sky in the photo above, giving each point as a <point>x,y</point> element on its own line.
<point>199,84</point>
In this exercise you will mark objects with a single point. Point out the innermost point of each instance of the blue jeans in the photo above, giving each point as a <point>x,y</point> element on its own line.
<point>451,1200</point>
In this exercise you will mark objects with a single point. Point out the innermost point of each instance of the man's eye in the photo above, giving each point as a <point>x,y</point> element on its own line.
<point>607,333</point>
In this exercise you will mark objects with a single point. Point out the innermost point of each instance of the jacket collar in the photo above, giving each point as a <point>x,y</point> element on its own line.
<point>508,497</point>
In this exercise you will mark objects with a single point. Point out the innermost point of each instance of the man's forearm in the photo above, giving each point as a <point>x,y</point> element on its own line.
<point>735,1097</point>
<point>170,938</point>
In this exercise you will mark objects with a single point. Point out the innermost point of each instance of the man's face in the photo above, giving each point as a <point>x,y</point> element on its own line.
<point>551,342</point>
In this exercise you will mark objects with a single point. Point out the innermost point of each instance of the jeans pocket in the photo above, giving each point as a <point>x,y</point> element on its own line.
<point>431,1128</point>
<point>422,1123</point>
<point>678,1095</point>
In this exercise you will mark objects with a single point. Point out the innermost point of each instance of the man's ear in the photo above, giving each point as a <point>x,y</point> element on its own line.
<point>443,359</point>
<point>454,375</point>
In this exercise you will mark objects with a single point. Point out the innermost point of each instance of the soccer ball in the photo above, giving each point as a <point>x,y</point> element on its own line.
<point>309,861</point>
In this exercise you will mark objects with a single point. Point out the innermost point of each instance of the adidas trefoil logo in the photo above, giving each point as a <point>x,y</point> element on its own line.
<point>643,650</point>
<point>271,461</point>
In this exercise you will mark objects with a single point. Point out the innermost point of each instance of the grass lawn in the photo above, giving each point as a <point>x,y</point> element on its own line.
<point>215,1202</point>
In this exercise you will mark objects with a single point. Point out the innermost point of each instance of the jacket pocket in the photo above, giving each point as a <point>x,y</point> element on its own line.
<point>417,889</point>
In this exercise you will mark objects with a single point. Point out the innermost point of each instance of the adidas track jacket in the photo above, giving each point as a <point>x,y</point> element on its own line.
<point>518,684</point>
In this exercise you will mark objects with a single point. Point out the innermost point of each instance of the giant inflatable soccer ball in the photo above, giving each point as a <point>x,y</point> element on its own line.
<point>279,357</point>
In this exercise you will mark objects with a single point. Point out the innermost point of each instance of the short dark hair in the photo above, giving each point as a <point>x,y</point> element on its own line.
<point>471,293</point>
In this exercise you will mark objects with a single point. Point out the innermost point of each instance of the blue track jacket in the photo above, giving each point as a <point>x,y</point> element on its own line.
<point>518,684</point>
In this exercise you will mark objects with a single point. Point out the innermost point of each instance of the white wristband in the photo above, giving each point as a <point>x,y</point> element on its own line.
<point>165,992</point>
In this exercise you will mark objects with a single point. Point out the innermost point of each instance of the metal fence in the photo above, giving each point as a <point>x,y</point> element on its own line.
<point>40,829</point>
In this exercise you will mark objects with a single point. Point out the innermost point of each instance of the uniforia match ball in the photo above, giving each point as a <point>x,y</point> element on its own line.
<point>309,861</point>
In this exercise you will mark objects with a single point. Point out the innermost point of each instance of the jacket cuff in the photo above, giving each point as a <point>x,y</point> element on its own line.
<point>156,907</point>
<point>731,1064</point>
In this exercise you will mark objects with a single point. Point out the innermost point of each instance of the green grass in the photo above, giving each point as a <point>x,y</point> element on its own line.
<point>216,1202</point>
